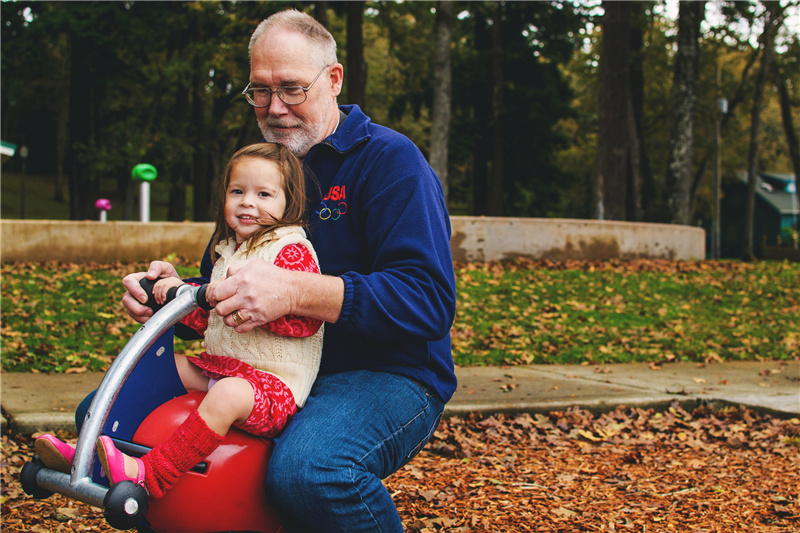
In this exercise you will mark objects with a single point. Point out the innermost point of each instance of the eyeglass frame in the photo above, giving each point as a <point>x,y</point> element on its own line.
<point>278,89</point>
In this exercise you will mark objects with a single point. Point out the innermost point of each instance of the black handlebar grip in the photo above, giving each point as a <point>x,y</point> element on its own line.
<point>147,285</point>
<point>201,299</point>
<point>171,294</point>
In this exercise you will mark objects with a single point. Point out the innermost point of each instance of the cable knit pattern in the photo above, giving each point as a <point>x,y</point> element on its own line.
<point>294,360</point>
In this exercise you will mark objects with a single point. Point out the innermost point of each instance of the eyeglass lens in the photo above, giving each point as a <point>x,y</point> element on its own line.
<point>292,95</point>
<point>263,95</point>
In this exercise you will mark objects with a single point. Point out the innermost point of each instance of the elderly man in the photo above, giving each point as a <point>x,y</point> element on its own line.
<point>381,230</point>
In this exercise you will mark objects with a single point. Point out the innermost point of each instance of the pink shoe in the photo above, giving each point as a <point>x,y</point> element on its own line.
<point>113,462</point>
<point>54,453</point>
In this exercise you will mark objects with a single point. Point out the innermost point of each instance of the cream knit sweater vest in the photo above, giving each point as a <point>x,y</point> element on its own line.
<point>294,360</point>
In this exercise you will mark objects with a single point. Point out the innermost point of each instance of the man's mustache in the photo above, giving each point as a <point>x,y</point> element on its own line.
<point>280,124</point>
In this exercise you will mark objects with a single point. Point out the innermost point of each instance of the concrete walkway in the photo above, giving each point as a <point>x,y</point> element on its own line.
<point>42,402</point>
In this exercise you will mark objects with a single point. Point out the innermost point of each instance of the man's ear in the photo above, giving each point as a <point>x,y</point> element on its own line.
<point>337,77</point>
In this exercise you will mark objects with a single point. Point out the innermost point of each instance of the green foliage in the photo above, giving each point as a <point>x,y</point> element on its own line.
<point>536,96</point>
<point>790,238</point>
<point>68,318</point>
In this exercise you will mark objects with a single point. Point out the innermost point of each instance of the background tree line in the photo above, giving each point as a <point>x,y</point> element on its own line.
<point>545,109</point>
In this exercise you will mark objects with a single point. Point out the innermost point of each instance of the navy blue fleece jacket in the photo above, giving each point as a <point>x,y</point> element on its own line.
<point>379,221</point>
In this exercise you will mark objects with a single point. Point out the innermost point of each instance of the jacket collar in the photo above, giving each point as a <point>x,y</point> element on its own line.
<point>352,130</point>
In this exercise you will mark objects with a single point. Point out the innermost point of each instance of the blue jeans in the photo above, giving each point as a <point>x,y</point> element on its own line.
<point>355,429</point>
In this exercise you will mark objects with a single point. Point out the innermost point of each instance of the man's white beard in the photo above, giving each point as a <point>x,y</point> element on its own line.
<point>299,140</point>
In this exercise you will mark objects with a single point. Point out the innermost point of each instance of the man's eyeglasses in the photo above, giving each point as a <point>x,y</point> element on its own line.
<point>291,95</point>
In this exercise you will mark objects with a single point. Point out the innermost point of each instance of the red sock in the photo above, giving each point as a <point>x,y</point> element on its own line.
<point>192,442</point>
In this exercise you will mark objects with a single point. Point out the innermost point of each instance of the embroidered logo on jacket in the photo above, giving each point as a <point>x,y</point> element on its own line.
<point>333,205</point>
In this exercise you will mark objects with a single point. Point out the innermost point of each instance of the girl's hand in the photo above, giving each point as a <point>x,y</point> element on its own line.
<point>211,296</point>
<point>134,298</point>
<point>161,288</point>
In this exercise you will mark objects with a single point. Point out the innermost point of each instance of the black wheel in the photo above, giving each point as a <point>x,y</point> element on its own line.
<point>28,481</point>
<point>125,505</point>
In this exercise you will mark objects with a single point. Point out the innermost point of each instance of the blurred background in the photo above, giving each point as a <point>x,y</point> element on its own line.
<point>641,111</point>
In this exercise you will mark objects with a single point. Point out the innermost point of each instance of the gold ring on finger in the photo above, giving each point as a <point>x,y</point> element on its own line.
<point>237,318</point>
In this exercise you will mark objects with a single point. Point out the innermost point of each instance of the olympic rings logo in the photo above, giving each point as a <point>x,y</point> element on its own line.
<point>332,213</point>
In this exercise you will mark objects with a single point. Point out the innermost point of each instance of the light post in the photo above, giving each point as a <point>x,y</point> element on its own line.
<point>715,223</point>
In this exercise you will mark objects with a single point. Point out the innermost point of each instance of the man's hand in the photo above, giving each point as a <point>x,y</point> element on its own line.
<point>135,297</point>
<point>258,291</point>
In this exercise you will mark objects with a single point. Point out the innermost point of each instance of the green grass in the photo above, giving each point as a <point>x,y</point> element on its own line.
<point>621,312</point>
<point>66,317</point>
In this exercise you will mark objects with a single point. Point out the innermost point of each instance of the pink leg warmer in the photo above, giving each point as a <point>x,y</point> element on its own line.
<point>192,442</point>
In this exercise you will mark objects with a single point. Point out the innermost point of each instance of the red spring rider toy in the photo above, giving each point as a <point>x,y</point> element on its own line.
<point>140,403</point>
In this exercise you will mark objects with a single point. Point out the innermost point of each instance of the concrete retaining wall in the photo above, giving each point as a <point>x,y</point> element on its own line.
<point>474,239</point>
<point>85,241</point>
<point>560,239</point>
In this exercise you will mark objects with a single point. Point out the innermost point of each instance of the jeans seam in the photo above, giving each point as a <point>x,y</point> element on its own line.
<point>377,447</point>
<point>361,498</point>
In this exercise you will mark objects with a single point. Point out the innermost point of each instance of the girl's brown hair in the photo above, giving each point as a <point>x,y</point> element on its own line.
<point>292,182</point>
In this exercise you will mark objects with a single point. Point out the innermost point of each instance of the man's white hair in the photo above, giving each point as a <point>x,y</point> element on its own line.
<point>323,43</point>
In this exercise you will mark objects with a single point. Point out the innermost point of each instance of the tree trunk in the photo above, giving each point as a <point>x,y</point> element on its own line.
<point>495,207</point>
<point>177,173</point>
<point>773,20</point>
<point>442,91</point>
<point>684,96</point>
<point>81,187</point>
<point>199,169</point>
<point>614,106</point>
<point>482,115</point>
<point>356,67</point>
<point>321,12</point>
<point>62,119</point>
<point>641,187</point>
<point>788,125</point>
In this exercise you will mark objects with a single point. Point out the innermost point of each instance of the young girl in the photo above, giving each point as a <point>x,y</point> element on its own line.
<point>255,380</point>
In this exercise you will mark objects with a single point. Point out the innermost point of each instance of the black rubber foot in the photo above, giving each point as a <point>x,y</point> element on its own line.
<point>28,481</point>
<point>125,505</point>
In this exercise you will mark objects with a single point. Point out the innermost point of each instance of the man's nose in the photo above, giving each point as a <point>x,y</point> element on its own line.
<point>277,106</point>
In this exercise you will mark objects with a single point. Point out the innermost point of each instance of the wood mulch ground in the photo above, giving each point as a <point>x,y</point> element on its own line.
<point>629,470</point>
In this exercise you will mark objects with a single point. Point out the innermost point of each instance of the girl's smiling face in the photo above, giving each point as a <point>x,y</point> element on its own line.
<point>254,196</point>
